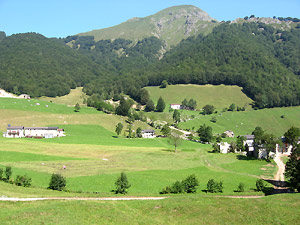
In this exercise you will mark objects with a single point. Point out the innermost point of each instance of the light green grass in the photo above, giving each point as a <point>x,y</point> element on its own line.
<point>242,123</point>
<point>75,96</point>
<point>185,209</point>
<point>220,96</point>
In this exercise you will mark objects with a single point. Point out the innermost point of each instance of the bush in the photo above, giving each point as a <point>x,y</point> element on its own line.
<point>190,184</point>
<point>122,184</point>
<point>177,187</point>
<point>214,187</point>
<point>8,173</point>
<point>24,181</point>
<point>1,174</point>
<point>241,187</point>
<point>260,185</point>
<point>57,182</point>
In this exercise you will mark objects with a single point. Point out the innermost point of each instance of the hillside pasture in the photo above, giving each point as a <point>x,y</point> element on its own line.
<point>221,96</point>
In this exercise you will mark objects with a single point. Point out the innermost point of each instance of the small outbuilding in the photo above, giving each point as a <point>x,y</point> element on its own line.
<point>148,134</point>
<point>175,106</point>
<point>229,133</point>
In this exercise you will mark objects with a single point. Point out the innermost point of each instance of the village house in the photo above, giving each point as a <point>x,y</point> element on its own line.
<point>229,133</point>
<point>224,147</point>
<point>148,134</point>
<point>33,132</point>
<point>175,106</point>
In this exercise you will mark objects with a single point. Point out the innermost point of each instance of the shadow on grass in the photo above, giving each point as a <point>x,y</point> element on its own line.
<point>115,136</point>
<point>169,150</point>
<point>243,157</point>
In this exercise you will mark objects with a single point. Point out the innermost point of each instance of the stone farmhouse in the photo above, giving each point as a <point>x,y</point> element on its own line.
<point>33,132</point>
<point>148,134</point>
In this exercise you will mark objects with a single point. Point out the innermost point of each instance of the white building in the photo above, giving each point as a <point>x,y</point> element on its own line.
<point>25,96</point>
<point>175,106</point>
<point>148,134</point>
<point>224,147</point>
<point>33,132</point>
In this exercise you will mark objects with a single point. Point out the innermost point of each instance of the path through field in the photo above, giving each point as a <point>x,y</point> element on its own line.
<point>10,199</point>
<point>281,168</point>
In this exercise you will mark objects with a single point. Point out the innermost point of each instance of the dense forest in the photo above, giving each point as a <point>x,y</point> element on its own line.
<point>264,61</point>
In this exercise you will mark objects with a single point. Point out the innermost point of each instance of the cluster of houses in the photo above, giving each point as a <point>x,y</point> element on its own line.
<point>33,132</point>
<point>261,153</point>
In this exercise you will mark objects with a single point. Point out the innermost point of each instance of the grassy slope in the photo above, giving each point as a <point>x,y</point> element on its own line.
<point>220,96</point>
<point>242,123</point>
<point>138,28</point>
<point>281,209</point>
<point>75,96</point>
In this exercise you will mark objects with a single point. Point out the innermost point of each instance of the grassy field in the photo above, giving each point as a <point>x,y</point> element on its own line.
<point>75,96</point>
<point>220,96</point>
<point>242,123</point>
<point>278,209</point>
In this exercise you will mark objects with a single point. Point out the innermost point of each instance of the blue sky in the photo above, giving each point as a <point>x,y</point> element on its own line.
<point>60,18</point>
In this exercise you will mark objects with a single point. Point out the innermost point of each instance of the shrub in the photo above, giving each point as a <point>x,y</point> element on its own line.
<point>122,184</point>
<point>190,184</point>
<point>1,174</point>
<point>8,173</point>
<point>214,187</point>
<point>177,187</point>
<point>241,187</point>
<point>213,119</point>
<point>24,181</point>
<point>57,182</point>
<point>166,190</point>
<point>260,185</point>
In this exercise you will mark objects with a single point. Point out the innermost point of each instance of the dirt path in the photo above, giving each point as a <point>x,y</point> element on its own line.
<point>279,176</point>
<point>80,199</point>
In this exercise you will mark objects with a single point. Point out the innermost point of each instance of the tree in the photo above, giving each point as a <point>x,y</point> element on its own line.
<point>240,143</point>
<point>190,183</point>
<point>176,116</point>
<point>292,136</point>
<point>232,107</point>
<point>122,184</point>
<point>292,169</point>
<point>129,131</point>
<point>139,132</point>
<point>260,185</point>
<point>77,107</point>
<point>161,105</point>
<point>164,84</point>
<point>166,130</point>
<point>175,139</point>
<point>184,103</point>
<point>149,106</point>
<point>144,96</point>
<point>192,104</point>
<point>214,186</point>
<point>57,182</point>
<point>119,128</point>
<point>208,109</point>
<point>8,173</point>
<point>205,133</point>
<point>123,108</point>
<point>269,142</point>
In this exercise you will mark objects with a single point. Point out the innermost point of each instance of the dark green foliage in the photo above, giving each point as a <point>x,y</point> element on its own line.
<point>190,183</point>
<point>191,104</point>
<point>122,184</point>
<point>292,169</point>
<point>139,132</point>
<point>166,130</point>
<point>1,174</point>
<point>77,107</point>
<point>292,136</point>
<point>208,109</point>
<point>57,182</point>
<point>8,173</point>
<point>213,119</point>
<point>119,128</point>
<point>214,186</point>
<point>216,148</point>
<point>260,185</point>
<point>161,105</point>
<point>176,116</point>
<point>241,187</point>
<point>24,181</point>
<point>240,143</point>
<point>205,133</point>
<point>123,108</point>
<point>164,84</point>
<point>143,96</point>
<point>232,107</point>
<point>149,106</point>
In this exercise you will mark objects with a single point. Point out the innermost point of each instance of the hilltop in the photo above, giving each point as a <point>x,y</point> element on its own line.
<point>170,25</point>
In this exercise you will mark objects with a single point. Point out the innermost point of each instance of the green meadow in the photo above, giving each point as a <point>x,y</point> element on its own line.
<point>220,96</point>
<point>94,157</point>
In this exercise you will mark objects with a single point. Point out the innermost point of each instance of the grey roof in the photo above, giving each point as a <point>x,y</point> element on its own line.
<point>15,128</point>
<point>249,137</point>
<point>148,131</point>
<point>40,128</point>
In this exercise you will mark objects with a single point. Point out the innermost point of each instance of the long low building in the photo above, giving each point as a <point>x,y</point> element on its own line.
<point>33,132</point>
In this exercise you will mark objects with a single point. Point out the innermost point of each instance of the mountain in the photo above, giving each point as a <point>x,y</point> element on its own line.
<point>170,25</point>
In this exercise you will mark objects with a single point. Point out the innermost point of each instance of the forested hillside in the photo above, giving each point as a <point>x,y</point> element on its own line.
<point>33,64</point>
